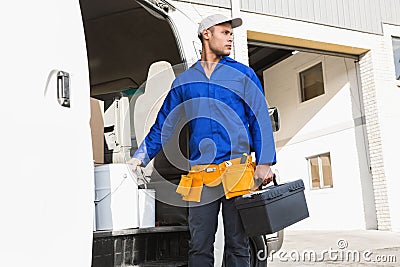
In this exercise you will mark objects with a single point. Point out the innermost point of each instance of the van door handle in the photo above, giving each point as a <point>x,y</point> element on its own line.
<point>63,89</point>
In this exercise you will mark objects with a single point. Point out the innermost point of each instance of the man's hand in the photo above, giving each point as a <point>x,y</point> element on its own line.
<point>264,172</point>
<point>134,162</point>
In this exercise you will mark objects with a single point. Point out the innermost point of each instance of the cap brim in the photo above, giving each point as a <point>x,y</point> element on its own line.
<point>236,22</point>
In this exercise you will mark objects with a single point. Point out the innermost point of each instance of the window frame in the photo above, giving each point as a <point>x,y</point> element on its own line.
<point>397,78</point>
<point>320,171</point>
<point>299,80</point>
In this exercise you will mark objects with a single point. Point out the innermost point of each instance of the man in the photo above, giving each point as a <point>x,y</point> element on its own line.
<point>224,104</point>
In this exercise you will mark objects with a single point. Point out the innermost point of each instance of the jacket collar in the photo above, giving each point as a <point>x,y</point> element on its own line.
<point>223,60</point>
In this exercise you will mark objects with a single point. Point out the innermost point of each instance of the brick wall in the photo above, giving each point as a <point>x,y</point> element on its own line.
<point>370,67</point>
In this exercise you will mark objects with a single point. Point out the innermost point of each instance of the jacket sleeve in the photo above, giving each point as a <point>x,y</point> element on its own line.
<point>259,122</point>
<point>167,118</point>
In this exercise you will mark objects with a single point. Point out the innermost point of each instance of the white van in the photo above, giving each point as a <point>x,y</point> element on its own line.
<point>55,56</point>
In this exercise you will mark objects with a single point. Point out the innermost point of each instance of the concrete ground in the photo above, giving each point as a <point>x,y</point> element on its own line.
<point>341,248</point>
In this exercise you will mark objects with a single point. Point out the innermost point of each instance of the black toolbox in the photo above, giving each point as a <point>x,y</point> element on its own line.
<point>273,208</point>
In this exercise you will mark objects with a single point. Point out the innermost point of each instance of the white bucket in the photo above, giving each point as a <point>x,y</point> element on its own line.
<point>116,197</point>
<point>147,208</point>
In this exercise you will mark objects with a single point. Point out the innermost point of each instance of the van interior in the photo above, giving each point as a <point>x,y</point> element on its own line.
<point>126,45</point>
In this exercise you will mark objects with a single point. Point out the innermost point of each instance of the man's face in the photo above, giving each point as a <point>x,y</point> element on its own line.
<point>220,41</point>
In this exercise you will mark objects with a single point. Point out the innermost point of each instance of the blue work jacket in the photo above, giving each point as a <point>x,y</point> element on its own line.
<point>227,116</point>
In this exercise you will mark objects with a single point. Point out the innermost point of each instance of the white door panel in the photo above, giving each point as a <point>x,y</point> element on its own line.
<point>187,38</point>
<point>46,173</point>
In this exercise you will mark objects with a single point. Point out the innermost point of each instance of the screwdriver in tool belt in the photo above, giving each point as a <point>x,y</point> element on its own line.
<point>243,158</point>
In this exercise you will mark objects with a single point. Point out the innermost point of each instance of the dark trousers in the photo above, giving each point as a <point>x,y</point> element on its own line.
<point>203,222</point>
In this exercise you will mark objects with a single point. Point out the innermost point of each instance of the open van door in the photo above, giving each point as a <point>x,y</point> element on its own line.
<point>184,28</point>
<point>46,164</point>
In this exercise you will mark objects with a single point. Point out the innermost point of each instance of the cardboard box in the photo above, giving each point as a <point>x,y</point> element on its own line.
<point>97,129</point>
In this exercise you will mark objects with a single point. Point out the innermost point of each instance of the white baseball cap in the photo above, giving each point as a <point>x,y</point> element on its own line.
<point>216,19</point>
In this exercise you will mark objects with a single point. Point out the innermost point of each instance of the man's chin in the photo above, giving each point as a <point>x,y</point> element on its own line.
<point>225,53</point>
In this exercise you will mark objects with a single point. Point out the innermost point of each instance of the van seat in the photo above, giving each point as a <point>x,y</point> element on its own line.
<point>159,80</point>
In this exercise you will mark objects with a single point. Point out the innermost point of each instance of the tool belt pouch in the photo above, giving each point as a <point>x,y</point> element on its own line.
<point>238,179</point>
<point>184,185</point>
<point>212,179</point>
<point>190,186</point>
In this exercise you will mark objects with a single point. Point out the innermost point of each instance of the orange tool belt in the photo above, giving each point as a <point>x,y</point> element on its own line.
<point>236,176</point>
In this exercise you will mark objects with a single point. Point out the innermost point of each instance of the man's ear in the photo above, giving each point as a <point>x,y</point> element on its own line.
<point>206,34</point>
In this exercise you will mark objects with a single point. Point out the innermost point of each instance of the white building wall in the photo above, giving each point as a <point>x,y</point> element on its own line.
<point>320,125</point>
<point>371,66</point>
<point>388,99</point>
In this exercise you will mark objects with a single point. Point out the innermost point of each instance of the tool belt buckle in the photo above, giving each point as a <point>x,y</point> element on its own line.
<point>210,170</point>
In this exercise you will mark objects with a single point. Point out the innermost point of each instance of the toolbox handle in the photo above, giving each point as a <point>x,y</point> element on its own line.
<point>273,179</point>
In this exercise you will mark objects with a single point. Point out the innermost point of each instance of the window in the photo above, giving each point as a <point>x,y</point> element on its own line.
<point>396,55</point>
<point>320,170</point>
<point>312,82</point>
